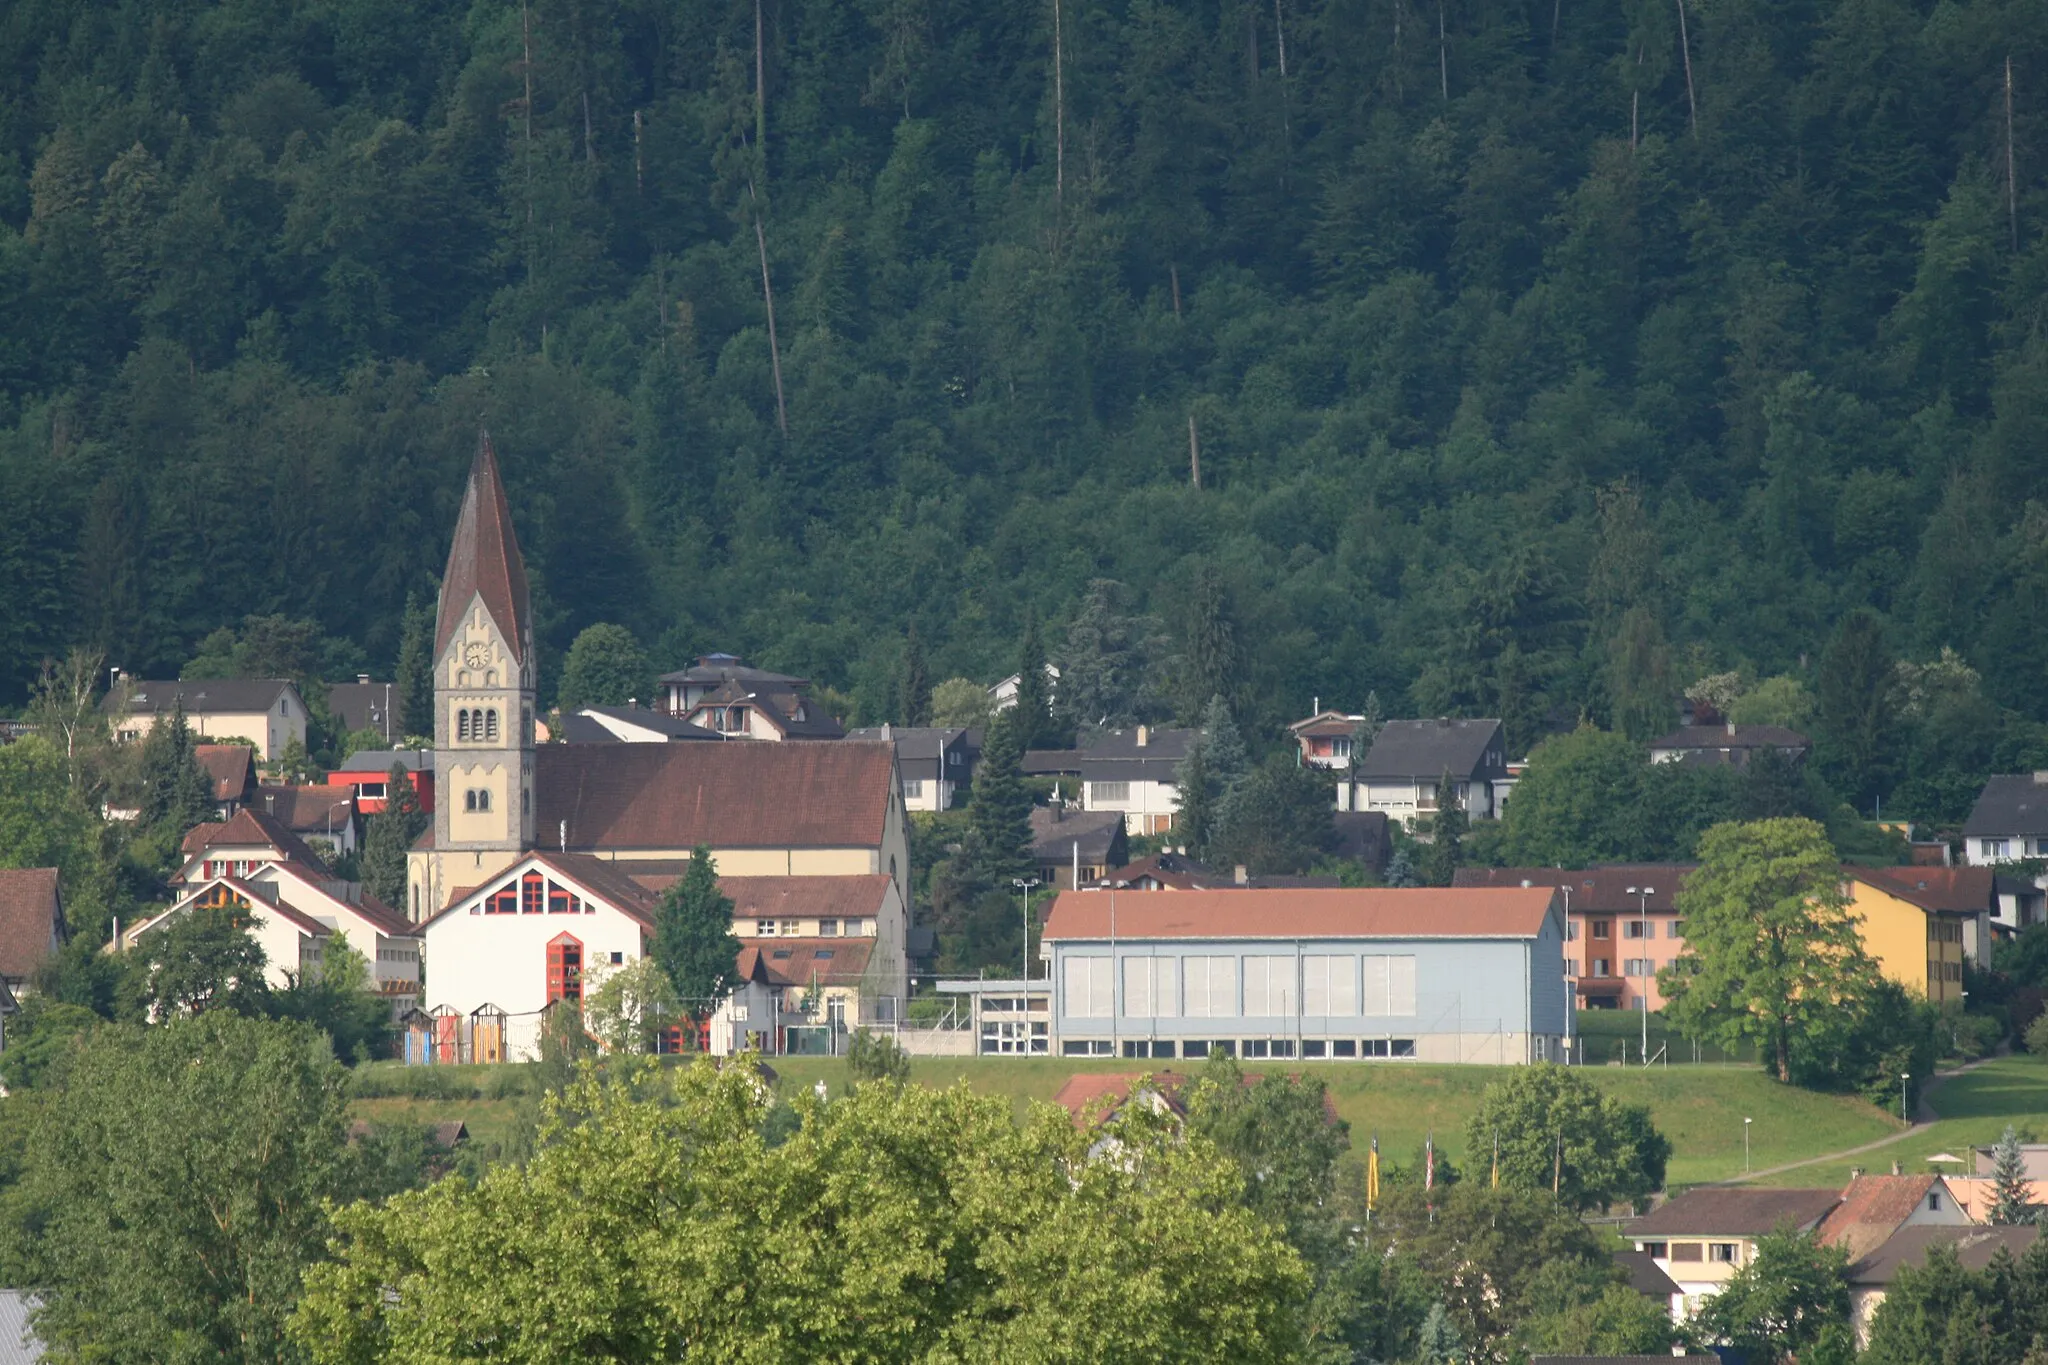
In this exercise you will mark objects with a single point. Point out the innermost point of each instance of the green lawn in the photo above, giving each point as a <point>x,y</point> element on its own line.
<point>1974,1109</point>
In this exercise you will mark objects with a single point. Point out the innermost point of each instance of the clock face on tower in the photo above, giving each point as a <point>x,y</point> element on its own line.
<point>476,655</point>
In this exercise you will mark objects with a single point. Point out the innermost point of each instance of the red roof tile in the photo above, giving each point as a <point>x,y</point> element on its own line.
<point>307,810</point>
<point>744,795</point>
<point>1405,912</point>
<point>484,559</point>
<point>230,767</point>
<point>800,961</point>
<point>1958,890</point>
<point>30,919</point>
<point>1872,1208</point>
<point>250,828</point>
<point>1595,890</point>
<point>806,897</point>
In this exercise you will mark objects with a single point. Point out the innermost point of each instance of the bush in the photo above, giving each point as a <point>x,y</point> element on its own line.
<point>2037,1035</point>
<point>876,1057</point>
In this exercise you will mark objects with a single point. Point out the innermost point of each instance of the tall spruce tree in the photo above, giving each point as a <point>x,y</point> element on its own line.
<point>388,836</point>
<point>693,938</point>
<point>1194,822</point>
<point>176,792</point>
<point>914,684</point>
<point>1033,710</point>
<point>1440,862</point>
<point>997,846</point>
<point>2009,1185</point>
<point>1857,707</point>
<point>416,669</point>
<point>1208,666</point>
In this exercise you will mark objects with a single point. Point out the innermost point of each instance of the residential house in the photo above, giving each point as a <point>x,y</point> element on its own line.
<point>1325,738</point>
<point>231,771</point>
<point>2018,905</point>
<point>857,925</point>
<point>723,694</point>
<point>365,705</point>
<point>1922,923</point>
<point>816,991</point>
<point>1978,1194</point>
<point>1006,1017</point>
<point>629,725</point>
<point>1727,744</point>
<point>1361,836</point>
<point>1702,1237</point>
<point>762,809</point>
<point>1871,1276</point>
<point>1003,695</point>
<point>1448,975</point>
<point>389,944</point>
<point>31,925</point>
<point>2009,823</point>
<point>294,943</point>
<point>1647,1278</point>
<point>1167,871</point>
<point>1984,1160</point>
<point>369,772</point>
<point>1400,774</point>
<point>234,847</point>
<point>1874,1207</point>
<point>268,712</point>
<point>1622,926</point>
<point>1128,771</point>
<point>323,816</point>
<point>1096,1097</point>
<point>1066,842</point>
<point>934,763</point>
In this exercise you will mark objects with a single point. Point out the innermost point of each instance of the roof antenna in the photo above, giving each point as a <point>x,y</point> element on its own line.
<point>565,836</point>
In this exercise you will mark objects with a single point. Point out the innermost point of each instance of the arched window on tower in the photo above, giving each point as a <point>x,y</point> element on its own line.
<point>491,723</point>
<point>462,726</point>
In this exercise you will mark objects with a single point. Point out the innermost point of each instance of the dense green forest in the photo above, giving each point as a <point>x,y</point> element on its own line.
<point>1531,359</point>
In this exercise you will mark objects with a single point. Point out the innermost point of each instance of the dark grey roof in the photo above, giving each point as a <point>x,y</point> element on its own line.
<point>674,727</point>
<point>923,743</point>
<point>366,706</point>
<point>1734,1211</point>
<point>788,709</point>
<point>1171,745</point>
<point>1974,1247</point>
<point>1715,737</point>
<point>1053,835</point>
<point>382,761</point>
<point>1360,835</point>
<point>202,696</point>
<point>1645,1276</point>
<point>2015,804</point>
<point>714,669</point>
<point>1423,750</point>
<point>1080,763</point>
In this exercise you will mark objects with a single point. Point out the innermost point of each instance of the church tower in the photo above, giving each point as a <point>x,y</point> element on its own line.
<point>483,692</point>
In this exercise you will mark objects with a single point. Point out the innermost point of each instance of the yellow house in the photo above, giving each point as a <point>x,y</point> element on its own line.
<point>1917,922</point>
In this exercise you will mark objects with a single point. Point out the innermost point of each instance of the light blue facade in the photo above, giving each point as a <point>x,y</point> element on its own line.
<point>1489,1000</point>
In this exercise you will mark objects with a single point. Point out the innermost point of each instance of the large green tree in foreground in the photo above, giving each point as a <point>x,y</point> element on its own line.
<point>1771,946</point>
<point>895,1224</point>
<point>1558,1131</point>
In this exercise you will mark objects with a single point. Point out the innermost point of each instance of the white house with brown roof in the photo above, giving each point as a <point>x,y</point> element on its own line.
<point>1702,1237</point>
<point>268,712</point>
<point>231,769</point>
<point>389,944</point>
<point>1432,974</point>
<point>294,943</point>
<point>323,816</point>
<point>238,845</point>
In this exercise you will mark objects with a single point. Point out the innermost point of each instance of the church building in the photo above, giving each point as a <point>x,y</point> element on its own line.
<point>599,829</point>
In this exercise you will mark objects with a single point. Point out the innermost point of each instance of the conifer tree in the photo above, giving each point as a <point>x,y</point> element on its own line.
<point>693,938</point>
<point>914,686</point>
<point>176,793</point>
<point>416,669</point>
<point>1447,849</point>
<point>2009,1202</point>
<point>1034,700</point>
<point>1194,822</point>
<point>998,842</point>
<point>389,835</point>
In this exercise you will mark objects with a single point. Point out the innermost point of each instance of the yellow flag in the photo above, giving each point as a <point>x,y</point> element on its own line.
<point>1496,1158</point>
<point>1372,1176</point>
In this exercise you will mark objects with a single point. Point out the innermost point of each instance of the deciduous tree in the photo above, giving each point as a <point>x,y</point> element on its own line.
<point>1557,1130</point>
<point>605,667</point>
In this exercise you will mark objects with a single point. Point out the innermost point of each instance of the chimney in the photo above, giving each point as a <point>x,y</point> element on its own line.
<point>632,702</point>
<point>887,732</point>
<point>2040,778</point>
<point>270,803</point>
<point>1241,876</point>
<point>1315,706</point>
<point>1895,1168</point>
<point>362,680</point>
<point>1731,728</point>
<point>1144,735</point>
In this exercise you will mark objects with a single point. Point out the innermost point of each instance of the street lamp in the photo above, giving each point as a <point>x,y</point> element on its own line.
<point>1643,963</point>
<point>1571,990</point>
<point>1024,885</point>
<point>1905,1082</point>
<point>1745,1145</point>
<point>330,822</point>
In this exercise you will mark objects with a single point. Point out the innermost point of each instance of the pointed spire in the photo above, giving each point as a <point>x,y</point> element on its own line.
<point>484,559</point>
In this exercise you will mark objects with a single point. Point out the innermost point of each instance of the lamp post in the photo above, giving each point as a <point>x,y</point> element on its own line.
<point>1642,896</point>
<point>330,823</point>
<point>1571,990</point>
<point>1745,1146</point>
<point>1024,885</point>
<point>1905,1083</point>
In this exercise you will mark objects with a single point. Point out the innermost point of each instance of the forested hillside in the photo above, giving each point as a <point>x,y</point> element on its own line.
<point>1541,357</point>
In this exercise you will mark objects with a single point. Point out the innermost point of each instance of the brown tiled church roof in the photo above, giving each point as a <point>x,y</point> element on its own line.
<point>484,560</point>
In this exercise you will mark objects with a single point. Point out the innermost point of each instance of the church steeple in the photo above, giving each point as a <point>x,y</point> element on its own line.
<point>483,680</point>
<point>484,561</point>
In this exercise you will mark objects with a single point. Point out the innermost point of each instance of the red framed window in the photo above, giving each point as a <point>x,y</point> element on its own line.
<point>562,901</point>
<point>532,894</point>
<point>565,969</point>
<point>503,901</point>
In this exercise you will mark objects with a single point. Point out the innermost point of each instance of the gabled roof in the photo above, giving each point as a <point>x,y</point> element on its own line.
<point>1326,724</point>
<point>675,796</point>
<point>614,724</point>
<point>231,768</point>
<point>1974,1246</point>
<point>306,810</point>
<point>1424,750</point>
<point>365,907</point>
<point>1598,890</point>
<point>921,743</point>
<point>1734,1211</point>
<point>795,715</point>
<point>1716,737</point>
<point>1646,1277</point>
<point>601,878</point>
<point>250,828</point>
<point>1318,912</point>
<point>807,897</point>
<point>1360,835</point>
<point>1173,871</point>
<point>383,760</point>
<point>31,916</point>
<point>1054,834</point>
<point>789,962</point>
<point>484,561</point>
<point>2010,804</point>
<point>366,706</point>
<point>249,892</point>
<point>1872,1208</point>
<point>201,696</point>
<point>1954,890</point>
<point>718,668</point>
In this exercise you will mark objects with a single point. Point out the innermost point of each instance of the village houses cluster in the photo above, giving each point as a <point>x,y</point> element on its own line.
<point>547,854</point>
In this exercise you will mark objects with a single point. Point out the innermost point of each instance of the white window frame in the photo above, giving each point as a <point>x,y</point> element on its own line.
<point>1087,988</point>
<point>1269,989</point>
<point>1151,987</point>
<point>1329,986</point>
<point>1209,986</point>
